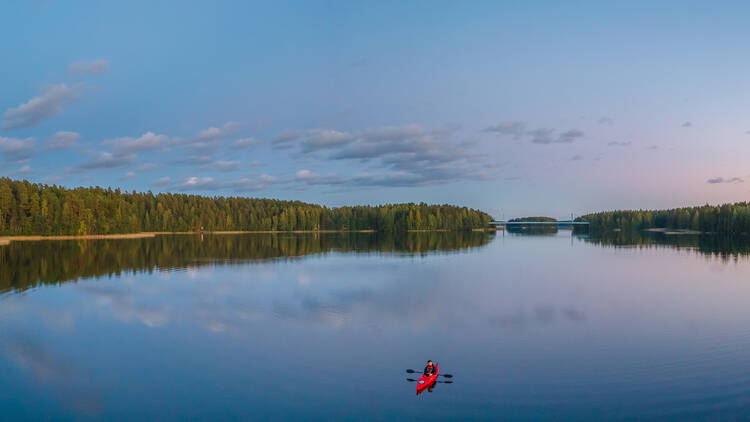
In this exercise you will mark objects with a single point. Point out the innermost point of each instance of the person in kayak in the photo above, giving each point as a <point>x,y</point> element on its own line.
<point>429,369</point>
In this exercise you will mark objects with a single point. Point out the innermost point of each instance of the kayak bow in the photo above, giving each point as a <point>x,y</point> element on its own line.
<point>425,381</point>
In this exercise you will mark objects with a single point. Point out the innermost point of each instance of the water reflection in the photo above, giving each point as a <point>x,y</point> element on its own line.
<point>722,247</point>
<point>537,230</point>
<point>29,264</point>
<point>534,327</point>
<point>542,315</point>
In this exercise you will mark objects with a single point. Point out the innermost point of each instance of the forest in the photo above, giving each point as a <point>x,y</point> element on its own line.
<point>727,219</point>
<point>39,209</point>
<point>533,219</point>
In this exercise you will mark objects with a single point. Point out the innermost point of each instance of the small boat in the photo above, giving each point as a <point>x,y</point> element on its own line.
<point>425,382</point>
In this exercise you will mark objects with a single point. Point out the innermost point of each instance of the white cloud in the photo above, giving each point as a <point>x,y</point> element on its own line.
<point>396,156</point>
<point>147,141</point>
<point>96,67</point>
<point>104,160</point>
<point>545,136</point>
<point>246,143</point>
<point>53,100</point>
<point>63,140</point>
<point>26,169</point>
<point>717,180</point>
<point>249,184</point>
<point>570,136</point>
<point>304,174</point>
<point>198,183</point>
<point>148,167</point>
<point>285,138</point>
<point>244,184</point>
<point>17,149</point>
<point>542,135</point>
<point>313,139</point>
<point>128,175</point>
<point>162,181</point>
<point>215,133</point>
<point>221,165</point>
<point>513,128</point>
<point>326,138</point>
<point>618,144</point>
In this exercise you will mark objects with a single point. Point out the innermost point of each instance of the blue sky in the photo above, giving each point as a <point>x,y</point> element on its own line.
<point>515,108</point>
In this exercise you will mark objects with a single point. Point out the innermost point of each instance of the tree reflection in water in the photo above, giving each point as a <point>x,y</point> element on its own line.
<point>30,264</point>
<point>724,248</point>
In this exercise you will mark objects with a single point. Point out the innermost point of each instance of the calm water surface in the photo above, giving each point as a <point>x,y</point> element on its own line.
<point>257,327</point>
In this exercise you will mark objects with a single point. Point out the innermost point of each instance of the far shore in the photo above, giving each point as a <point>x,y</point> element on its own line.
<point>5,240</point>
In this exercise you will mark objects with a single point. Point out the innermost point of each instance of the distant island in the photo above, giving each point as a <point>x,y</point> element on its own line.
<point>533,219</point>
<point>49,210</point>
<point>727,219</point>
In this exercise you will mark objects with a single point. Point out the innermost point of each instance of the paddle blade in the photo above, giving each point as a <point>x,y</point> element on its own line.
<point>447,382</point>
<point>411,371</point>
<point>446,375</point>
<point>411,380</point>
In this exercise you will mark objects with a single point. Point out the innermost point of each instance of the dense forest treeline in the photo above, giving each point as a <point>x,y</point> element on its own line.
<point>727,219</point>
<point>533,219</point>
<point>28,208</point>
<point>30,264</point>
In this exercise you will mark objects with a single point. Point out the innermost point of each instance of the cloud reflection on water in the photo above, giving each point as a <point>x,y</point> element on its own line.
<point>540,316</point>
<point>49,368</point>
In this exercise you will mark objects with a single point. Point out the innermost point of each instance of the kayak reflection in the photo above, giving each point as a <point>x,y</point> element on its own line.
<point>431,387</point>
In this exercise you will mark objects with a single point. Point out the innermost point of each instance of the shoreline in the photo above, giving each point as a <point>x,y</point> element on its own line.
<point>5,240</point>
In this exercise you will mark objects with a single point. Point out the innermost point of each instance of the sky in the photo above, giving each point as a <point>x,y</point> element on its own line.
<point>516,108</point>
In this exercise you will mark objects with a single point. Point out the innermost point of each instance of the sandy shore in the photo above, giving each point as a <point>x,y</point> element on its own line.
<point>4,240</point>
<point>282,231</point>
<point>7,239</point>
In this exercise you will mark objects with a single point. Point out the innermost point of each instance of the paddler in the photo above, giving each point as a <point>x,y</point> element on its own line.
<point>429,370</point>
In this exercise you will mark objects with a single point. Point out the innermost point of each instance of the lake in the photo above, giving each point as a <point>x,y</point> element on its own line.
<point>323,326</point>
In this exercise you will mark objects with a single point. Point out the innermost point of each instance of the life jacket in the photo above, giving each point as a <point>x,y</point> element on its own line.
<point>430,370</point>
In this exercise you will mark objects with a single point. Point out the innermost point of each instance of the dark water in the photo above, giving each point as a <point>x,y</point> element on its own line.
<point>259,327</point>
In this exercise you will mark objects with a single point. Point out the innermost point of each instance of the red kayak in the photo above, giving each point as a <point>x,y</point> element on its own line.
<point>425,382</point>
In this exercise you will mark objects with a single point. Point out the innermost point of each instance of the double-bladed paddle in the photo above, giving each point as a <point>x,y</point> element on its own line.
<point>436,382</point>
<point>411,371</point>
